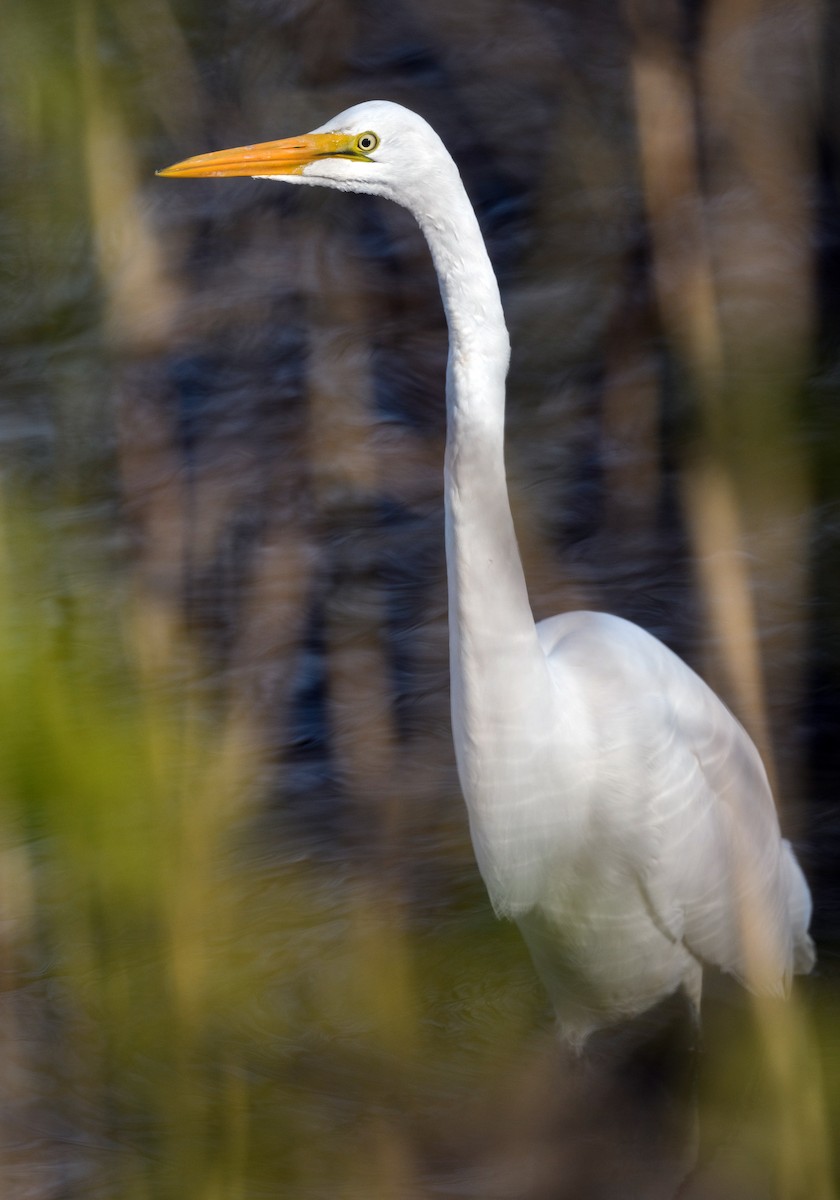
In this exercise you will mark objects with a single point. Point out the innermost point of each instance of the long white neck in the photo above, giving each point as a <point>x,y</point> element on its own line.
<point>495,656</point>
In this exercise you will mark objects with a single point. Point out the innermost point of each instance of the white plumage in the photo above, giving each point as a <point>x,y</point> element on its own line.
<point>619,813</point>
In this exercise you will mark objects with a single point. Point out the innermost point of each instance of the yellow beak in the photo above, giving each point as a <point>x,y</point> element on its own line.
<point>287,157</point>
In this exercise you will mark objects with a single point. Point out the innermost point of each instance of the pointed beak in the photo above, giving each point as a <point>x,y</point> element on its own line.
<point>287,157</point>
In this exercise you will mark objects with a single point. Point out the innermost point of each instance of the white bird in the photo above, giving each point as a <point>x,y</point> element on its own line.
<point>619,812</point>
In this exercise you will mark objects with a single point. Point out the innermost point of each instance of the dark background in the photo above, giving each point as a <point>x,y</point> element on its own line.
<point>221,436</point>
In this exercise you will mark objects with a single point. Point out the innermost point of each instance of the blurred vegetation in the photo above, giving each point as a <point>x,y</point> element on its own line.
<point>191,1002</point>
<point>244,948</point>
<point>183,1007</point>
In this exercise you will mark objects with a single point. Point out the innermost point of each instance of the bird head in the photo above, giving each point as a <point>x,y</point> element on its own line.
<point>377,147</point>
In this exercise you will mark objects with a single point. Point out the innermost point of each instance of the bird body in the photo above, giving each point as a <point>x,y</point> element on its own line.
<point>666,853</point>
<point>619,812</point>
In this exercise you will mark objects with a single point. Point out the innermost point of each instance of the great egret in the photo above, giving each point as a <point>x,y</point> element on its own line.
<point>619,813</point>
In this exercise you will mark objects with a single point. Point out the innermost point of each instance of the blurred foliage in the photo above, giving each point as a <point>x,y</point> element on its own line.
<point>192,1002</point>
<point>244,948</point>
<point>182,1008</point>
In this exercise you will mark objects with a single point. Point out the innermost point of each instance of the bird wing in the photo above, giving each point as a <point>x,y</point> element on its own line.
<point>689,797</point>
<point>717,868</point>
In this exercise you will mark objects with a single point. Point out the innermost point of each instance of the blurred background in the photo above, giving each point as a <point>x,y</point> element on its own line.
<point>244,948</point>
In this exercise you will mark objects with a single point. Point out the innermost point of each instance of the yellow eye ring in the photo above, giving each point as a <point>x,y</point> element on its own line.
<point>367,142</point>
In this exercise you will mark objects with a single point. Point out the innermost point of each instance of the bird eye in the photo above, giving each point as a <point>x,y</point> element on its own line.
<point>367,142</point>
